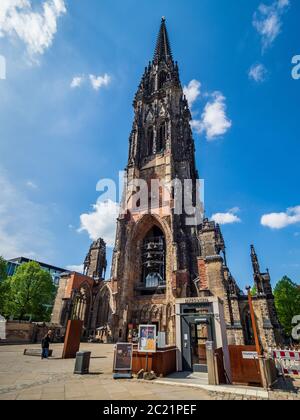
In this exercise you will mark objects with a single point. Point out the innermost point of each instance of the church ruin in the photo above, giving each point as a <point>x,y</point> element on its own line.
<point>159,259</point>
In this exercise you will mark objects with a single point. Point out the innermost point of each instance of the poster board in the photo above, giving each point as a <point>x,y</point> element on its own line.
<point>147,339</point>
<point>123,357</point>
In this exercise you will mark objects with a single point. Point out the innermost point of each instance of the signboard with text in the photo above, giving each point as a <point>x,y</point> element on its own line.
<point>249,355</point>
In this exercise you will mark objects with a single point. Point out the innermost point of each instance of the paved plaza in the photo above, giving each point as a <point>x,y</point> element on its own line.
<point>30,378</point>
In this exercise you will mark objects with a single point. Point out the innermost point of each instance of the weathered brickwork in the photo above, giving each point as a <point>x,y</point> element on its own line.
<point>95,263</point>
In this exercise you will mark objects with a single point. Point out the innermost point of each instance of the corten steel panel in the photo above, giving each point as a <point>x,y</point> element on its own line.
<point>72,339</point>
<point>244,371</point>
<point>162,362</point>
<point>219,357</point>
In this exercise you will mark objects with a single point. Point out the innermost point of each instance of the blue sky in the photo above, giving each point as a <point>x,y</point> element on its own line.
<point>61,130</point>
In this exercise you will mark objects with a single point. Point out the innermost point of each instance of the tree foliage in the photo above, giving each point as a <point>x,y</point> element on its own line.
<point>287,302</point>
<point>3,273</point>
<point>30,293</point>
<point>3,287</point>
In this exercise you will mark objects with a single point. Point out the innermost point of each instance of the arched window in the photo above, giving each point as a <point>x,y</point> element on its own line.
<point>152,86</point>
<point>162,78</point>
<point>153,259</point>
<point>247,326</point>
<point>161,138</point>
<point>150,141</point>
<point>104,309</point>
<point>81,304</point>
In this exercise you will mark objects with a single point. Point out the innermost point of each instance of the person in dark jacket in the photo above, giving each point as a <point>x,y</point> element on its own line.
<point>46,344</point>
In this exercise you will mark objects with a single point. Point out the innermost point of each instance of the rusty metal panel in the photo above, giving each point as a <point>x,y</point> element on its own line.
<point>72,339</point>
<point>244,371</point>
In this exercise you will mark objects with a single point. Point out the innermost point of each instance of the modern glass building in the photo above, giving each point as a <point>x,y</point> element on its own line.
<point>55,272</point>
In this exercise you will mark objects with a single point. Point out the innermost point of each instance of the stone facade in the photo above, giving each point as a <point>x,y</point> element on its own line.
<point>83,298</point>
<point>95,263</point>
<point>23,332</point>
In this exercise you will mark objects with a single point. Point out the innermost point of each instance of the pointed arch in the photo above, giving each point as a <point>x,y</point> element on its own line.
<point>150,140</point>
<point>161,137</point>
<point>134,256</point>
<point>162,79</point>
<point>82,302</point>
<point>104,306</point>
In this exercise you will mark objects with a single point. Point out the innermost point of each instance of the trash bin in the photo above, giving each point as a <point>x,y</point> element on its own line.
<point>82,363</point>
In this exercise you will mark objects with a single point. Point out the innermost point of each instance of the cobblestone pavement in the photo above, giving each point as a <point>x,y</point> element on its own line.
<point>30,378</point>
<point>272,396</point>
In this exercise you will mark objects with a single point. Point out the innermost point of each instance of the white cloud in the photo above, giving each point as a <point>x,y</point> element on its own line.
<point>36,29</point>
<point>214,121</point>
<point>267,20</point>
<point>192,91</point>
<point>258,73</point>
<point>98,82</point>
<point>77,81</point>
<point>23,224</point>
<point>76,268</point>
<point>227,218</point>
<point>282,220</point>
<point>32,185</point>
<point>101,223</point>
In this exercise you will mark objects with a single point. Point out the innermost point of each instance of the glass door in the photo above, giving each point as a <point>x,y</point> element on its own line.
<point>199,337</point>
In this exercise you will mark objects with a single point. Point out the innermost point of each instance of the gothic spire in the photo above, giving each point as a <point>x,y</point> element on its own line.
<point>163,47</point>
<point>255,263</point>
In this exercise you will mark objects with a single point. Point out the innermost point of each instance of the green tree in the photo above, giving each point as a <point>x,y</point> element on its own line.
<point>3,276</point>
<point>3,267</point>
<point>31,293</point>
<point>254,291</point>
<point>287,302</point>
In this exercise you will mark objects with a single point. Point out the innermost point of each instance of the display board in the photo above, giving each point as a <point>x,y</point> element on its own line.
<point>147,338</point>
<point>123,357</point>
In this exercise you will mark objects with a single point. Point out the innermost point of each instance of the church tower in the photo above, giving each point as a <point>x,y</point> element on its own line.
<point>155,255</point>
<point>95,263</point>
<point>164,249</point>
